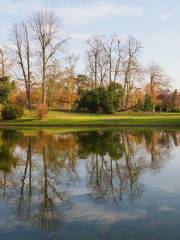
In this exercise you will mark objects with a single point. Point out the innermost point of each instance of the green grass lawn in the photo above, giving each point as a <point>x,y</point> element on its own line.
<point>65,119</point>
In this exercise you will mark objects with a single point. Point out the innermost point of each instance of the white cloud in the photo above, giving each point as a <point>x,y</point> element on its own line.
<point>166,16</point>
<point>165,208</point>
<point>166,37</point>
<point>81,36</point>
<point>84,212</point>
<point>20,7</point>
<point>81,14</point>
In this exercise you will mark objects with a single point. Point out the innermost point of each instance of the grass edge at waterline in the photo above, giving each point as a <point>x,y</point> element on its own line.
<point>67,119</point>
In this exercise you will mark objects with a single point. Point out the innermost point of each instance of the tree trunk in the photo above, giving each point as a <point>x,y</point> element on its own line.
<point>43,78</point>
<point>152,95</point>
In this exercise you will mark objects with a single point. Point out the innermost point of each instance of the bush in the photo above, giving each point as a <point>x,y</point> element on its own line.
<point>6,87</point>
<point>175,110</point>
<point>116,91</point>
<point>41,110</point>
<point>89,101</point>
<point>106,101</point>
<point>159,108</point>
<point>96,100</point>
<point>12,111</point>
<point>148,107</point>
<point>139,106</point>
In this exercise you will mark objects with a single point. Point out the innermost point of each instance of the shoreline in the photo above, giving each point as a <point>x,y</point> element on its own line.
<point>121,125</point>
<point>81,120</point>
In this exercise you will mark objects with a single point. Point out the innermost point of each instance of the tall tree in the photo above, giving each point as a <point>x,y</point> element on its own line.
<point>158,80</point>
<point>71,62</point>
<point>131,67</point>
<point>174,98</point>
<point>94,56</point>
<point>114,50</point>
<point>2,62</point>
<point>23,56</point>
<point>114,60</point>
<point>47,29</point>
<point>6,63</point>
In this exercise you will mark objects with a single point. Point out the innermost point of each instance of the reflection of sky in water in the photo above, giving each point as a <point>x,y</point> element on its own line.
<point>154,213</point>
<point>167,179</point>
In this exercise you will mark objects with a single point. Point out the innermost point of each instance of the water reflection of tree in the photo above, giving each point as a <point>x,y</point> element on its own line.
<point>25,189</point>
<point>116,160</point>
<point>47,217</point>
<point>8,159</point>
<point>24,201</point>
<point>158,144</point>
<point>112,169</point>
<point>38,171</point>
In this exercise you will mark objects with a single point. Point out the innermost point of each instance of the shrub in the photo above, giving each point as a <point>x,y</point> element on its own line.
<point>175,110</point>
<point>139,106</point>
<point>96,100</point>
<point>6,87</point>
<point>89,101</point>
<point>106,101</point>
<point>12,111</point>
<point>21,98</point>
<point>116,91</point>
<point>159,108</point>
<point>148,106</point>
<point>41,110</point>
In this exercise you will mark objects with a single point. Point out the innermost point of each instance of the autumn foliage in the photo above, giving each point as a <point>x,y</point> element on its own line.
<point>41,110</point>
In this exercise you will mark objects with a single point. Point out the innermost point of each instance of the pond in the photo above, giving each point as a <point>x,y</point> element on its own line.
<point>101,184</point>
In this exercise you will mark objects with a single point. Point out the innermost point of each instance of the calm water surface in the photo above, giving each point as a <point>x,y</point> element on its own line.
<point>115,184</point>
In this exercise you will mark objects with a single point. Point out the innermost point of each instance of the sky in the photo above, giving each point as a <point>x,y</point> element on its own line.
<point>154,22</point>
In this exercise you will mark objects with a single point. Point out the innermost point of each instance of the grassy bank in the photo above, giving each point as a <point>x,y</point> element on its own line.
<point>64,119</point>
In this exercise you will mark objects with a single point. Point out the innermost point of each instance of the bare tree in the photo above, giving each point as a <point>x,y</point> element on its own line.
<point>119,51</point>
<point>101,60</point>
<point>2,62</point>
<point>131,67</point>
<point>109,49</point>
<point>109,60</point>
<point>95,60</point>
<point>71,61</point>
<point>158,81</point>
<point>23,54</point>
<point>5,62</point>
<point>47,28</point>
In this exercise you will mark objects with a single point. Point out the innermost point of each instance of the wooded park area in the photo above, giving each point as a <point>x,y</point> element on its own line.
<point>38,73</point>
